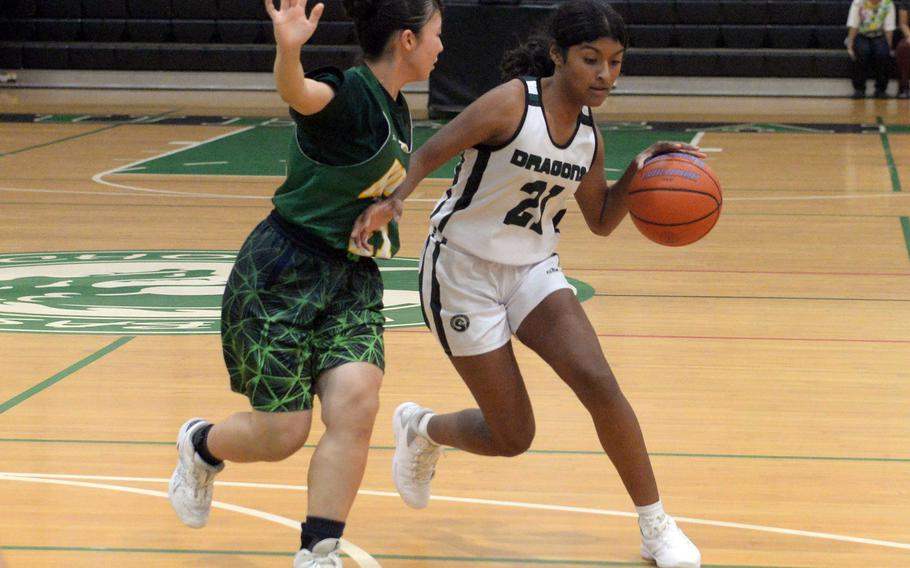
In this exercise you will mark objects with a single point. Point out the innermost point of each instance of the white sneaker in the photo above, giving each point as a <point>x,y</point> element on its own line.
<point>324,554</point>
<point>668,546</point>
<point>414,462</point>
<point>191,485</point>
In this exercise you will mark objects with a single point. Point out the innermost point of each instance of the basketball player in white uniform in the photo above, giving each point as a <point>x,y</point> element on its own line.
<point>489,269</point>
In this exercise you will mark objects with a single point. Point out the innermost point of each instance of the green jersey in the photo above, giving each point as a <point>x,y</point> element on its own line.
<point>343,158</point>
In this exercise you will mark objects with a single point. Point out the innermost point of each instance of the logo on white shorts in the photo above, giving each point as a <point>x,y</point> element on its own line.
<point>460,322</point>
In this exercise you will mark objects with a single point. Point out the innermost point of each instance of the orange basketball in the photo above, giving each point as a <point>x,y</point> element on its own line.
<point>675,199</point>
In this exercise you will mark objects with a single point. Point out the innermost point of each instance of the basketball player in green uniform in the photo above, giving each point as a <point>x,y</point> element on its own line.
<point>301,314</point>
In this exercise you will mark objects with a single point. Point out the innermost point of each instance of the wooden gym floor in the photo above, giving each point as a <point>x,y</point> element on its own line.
<point>768,363</point>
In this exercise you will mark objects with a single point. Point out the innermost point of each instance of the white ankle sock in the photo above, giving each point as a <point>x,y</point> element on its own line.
<point>651,516</point>
<point>422,425</point>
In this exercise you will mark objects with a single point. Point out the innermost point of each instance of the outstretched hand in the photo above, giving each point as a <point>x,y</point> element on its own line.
<point>373,218</point>
<point>292,26</point>
<point>664,148</point>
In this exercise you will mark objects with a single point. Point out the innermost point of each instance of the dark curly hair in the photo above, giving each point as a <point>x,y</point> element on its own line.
<point>573,22</point>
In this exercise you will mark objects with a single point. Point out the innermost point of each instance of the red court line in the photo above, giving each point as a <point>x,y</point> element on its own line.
<point>747,338</point>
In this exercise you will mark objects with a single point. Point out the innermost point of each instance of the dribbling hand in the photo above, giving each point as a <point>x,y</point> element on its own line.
<point>663,148</point>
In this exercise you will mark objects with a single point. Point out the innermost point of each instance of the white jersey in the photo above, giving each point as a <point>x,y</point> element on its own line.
<point>506,202</point>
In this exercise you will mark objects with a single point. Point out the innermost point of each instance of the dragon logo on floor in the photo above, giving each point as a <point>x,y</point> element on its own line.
<point>152,292</point>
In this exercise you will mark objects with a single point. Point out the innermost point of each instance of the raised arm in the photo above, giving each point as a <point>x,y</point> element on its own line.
<point>292,30</point>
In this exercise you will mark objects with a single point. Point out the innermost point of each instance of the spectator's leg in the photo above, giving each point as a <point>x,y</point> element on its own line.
<point>881,60</point>
<point>862,50</point>
<point>902,56</point>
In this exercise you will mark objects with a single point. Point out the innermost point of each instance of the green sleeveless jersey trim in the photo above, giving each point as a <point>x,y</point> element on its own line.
<point>324,200</point>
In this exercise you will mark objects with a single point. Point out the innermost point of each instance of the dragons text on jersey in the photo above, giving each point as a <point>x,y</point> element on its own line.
<point>506,202</point>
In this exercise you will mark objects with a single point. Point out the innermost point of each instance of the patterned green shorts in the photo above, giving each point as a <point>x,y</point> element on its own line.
<point>289,314</point>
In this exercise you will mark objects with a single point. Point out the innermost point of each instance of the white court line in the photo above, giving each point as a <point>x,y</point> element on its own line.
<point>357,554</point>
<point>697,138</point>
<point>495,503</point>
<point>99,177</point>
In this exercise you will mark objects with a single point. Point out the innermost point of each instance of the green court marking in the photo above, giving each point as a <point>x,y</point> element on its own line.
<point>120,550</point>
<point>25,395</point>
<point>766,127</point>
<point>889,157</point>
<point>59,441</point>
<point>52,142</point>
<point>621,147</point>
<point>905,226</point>
<point>75,136</point>
<point>257,151</point>
<point>262,151</point>
<point>473,559</point>
<point>895,177</point>
<point>539,452</point>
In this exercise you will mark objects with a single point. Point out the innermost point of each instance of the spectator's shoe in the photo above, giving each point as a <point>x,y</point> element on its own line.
<point>858,94</point>
<point>903,94</point>
<point>191,485</point>
<point>414,462</point>
<point>323,555</point>
<point>881,94</point>
<point>665,544</point>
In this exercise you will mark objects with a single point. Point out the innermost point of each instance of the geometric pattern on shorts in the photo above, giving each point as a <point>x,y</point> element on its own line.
<point>288,316</point>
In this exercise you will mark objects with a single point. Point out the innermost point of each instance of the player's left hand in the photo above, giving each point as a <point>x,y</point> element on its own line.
<point>373,218</point>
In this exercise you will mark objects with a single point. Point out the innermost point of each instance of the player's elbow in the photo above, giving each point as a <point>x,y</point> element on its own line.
<point>604,227</point>
<point>601,230</point>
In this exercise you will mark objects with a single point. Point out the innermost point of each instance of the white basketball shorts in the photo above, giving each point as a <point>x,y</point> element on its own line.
<point>474,306</point>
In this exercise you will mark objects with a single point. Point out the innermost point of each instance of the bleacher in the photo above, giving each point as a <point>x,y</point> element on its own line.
<point>736,38</point>
<point>168,35</point>
<point>713,38</point>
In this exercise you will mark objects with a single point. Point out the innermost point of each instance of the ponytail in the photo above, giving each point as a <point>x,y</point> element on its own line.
<point>531,58</point>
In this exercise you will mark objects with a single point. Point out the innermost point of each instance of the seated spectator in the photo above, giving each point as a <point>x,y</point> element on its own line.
<point>870,29</point>
<point>903,51</point>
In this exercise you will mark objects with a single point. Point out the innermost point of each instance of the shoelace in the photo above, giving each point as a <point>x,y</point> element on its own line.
<point>659,528</point>
<point>667,534</point>
<point>203,481</point>
<point>424,463</point>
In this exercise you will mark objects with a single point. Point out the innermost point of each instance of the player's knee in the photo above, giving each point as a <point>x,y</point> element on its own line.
<point>514,443</point>
<point>354,410</point>
<point>286,444</point>
<point>598,387</point>
<point>281,439</point>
